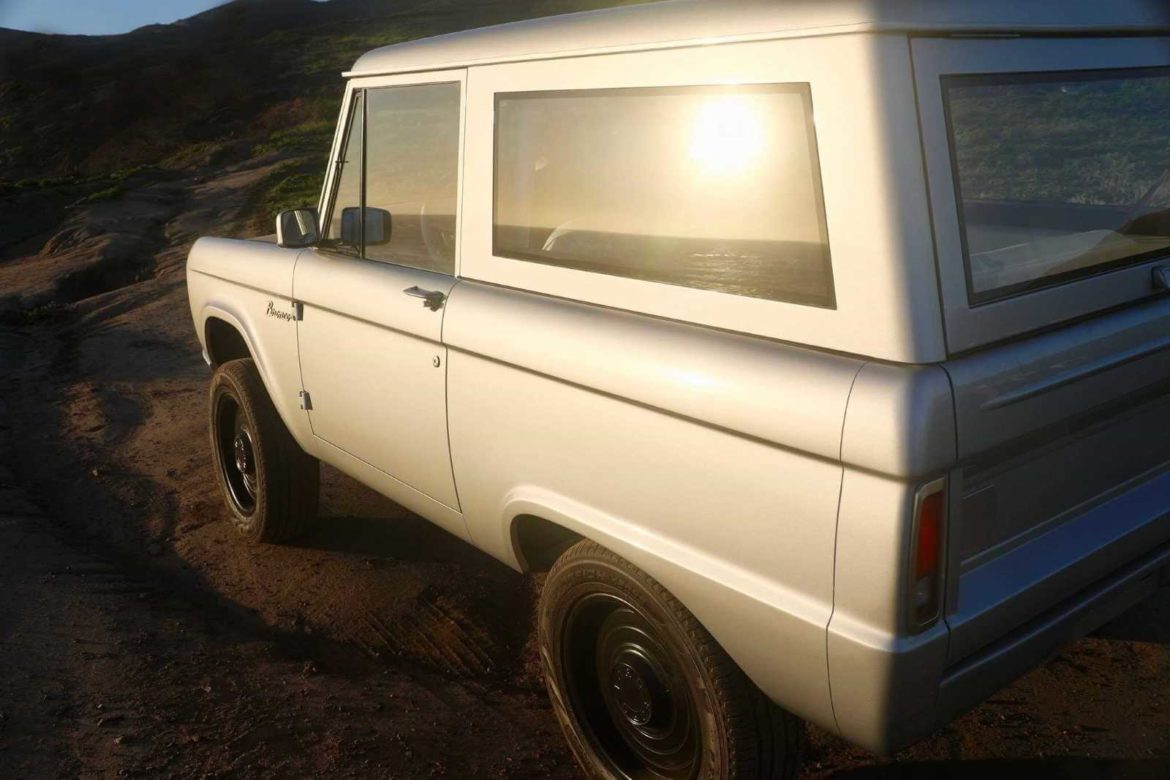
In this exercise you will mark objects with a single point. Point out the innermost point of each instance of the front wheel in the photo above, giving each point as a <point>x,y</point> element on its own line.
<point>641,689</point>
<point>270,483</point>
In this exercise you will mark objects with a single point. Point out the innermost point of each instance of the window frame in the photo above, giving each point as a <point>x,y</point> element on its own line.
<point>872,179</point>
<point>979,298</point>
<point>328,197</point>
<point>328,200</point>
<point>973,323</point>
<point>802,89</point>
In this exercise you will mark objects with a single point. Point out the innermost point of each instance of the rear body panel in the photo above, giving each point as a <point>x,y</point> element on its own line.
<point>1065,471</point>
<point>1058,508</point>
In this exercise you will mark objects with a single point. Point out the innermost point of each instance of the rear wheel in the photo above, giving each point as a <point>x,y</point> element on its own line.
<point>641,689</point>
<point>271,485</point>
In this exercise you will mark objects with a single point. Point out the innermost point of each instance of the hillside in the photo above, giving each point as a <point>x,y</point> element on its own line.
<point>85,119</point>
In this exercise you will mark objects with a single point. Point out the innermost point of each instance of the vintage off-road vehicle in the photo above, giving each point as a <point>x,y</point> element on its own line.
<point>819,351</point>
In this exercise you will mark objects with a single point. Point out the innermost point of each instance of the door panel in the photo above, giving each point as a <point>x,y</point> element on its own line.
<point>368,358</point>
<point>372,296</point>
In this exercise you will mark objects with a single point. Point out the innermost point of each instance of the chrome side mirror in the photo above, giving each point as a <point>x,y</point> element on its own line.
<point>297,228</point>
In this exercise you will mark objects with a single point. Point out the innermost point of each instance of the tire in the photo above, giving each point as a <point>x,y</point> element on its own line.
<point>270,484</point>
<point>641,690</point>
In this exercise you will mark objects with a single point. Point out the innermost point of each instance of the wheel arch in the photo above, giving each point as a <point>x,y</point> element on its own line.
<point>737,609</point>
<point>537,542</point>
<point>228,337</point>
<point>224,340</point>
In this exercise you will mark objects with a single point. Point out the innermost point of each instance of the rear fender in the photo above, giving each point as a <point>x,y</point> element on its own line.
<point>739,609</point>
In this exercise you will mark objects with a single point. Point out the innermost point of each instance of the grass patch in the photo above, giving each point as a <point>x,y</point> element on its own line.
<point>109,193</point>
<point>292,186</point>
<point>44,314</point>
<point>312,136</point>
<point>110,183</point>
<point>194,155</point>
<point>291,192</point>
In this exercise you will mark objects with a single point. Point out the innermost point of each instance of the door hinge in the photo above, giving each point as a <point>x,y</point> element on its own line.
<point>306,401</point>
<point>298,310</point>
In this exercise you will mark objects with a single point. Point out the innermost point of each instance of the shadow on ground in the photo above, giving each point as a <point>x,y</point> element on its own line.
<point>1024,769</point>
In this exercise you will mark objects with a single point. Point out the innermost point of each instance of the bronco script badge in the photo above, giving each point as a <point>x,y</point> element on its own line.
<point>288,316</point>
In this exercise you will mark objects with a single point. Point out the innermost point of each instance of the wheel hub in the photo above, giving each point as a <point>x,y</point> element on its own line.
<point>243,452</point>
<point>637,690</point>
<point>236,454</point>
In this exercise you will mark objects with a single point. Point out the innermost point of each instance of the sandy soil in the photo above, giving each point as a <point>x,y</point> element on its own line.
<point>138,636</point>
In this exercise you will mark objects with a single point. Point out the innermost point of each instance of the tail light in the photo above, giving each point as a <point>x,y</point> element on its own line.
<point>926,555</point>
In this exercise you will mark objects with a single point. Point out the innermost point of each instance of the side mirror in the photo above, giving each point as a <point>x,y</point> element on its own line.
<point>378,226</point>
<point>297,228</point>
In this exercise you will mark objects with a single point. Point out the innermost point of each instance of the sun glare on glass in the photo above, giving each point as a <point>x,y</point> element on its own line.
<point>727,135</point>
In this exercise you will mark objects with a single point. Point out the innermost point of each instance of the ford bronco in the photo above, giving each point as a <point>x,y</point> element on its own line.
<point>819,352</point>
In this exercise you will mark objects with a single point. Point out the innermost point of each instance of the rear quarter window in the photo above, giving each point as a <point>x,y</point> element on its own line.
<point>713,188</point>
<point>1058,175</point>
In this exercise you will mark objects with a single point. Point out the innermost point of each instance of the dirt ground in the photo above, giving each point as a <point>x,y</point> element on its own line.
<point>139,637</point>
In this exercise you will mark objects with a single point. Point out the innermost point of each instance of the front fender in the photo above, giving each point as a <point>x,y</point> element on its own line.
<point>248,286</point>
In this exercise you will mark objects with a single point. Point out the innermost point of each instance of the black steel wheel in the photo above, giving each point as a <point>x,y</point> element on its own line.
<point>237,454</point>
<point>628,692</point>
<point>270,484</point>
<point>641,690</point>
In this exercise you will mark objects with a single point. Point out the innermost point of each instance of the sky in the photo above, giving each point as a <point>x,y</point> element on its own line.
<point>96,17</point>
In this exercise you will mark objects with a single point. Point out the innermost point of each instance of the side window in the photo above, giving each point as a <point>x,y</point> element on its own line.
<point>412,172</point>
<point>349,183</point>
<point>1059,175</point>
<point>714,188</point>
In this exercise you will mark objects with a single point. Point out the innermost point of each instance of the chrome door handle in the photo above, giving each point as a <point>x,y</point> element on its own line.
<point>432,299</point>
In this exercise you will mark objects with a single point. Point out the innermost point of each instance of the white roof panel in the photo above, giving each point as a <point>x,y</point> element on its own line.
<point>679,22</point>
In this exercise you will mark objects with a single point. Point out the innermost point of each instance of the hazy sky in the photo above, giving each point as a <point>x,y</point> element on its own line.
<point>96,17</point>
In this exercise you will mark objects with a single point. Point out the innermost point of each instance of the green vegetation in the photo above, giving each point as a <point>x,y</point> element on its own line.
<point>194,155</point>
<point>312,136</point>
<point>290,186</point>
<point>327,53</point>
<point>44,314</point>
<point>89,189</point>
<point>291,191</point>
<point>109,193</point>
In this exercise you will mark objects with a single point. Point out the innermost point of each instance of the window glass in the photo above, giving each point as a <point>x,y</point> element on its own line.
<point>715,188</point>
<point>1059,175</point>
<point>349,185</point>
<point>412,172</point>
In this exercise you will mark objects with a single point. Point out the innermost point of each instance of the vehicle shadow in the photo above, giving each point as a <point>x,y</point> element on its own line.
<point>355,520</point>
<point>1015,769</point>
<point>390,538</point>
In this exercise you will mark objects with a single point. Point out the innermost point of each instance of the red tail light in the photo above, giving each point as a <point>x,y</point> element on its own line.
<point>926,574</point>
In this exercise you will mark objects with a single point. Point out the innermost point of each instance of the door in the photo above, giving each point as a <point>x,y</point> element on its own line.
<point>372,295</point>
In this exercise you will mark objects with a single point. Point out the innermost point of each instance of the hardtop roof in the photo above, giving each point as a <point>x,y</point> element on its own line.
<point>682,22</point>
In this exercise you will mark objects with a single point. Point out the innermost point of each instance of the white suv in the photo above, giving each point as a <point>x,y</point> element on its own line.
<point>820,351</point>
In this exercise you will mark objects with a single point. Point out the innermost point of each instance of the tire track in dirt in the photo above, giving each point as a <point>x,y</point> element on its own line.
<point>109,668</point>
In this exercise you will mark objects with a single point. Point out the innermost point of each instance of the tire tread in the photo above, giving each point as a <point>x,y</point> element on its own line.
<point>290,488</point>
<point>763,741</point>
